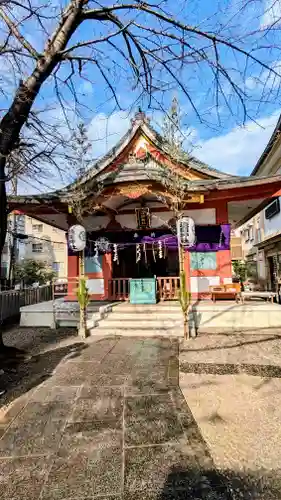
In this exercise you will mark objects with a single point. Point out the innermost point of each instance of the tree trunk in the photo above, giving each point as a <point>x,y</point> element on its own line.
<point>83,322</point>
<point>18,113</point>
<point>185,326</point>
<point>3,227</point>
<point>3,213</point>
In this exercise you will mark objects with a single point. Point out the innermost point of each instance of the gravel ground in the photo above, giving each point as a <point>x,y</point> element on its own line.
<point>232,386</point>
<point>256,348</point>
<point>239,416</point>
<point>36,340</point>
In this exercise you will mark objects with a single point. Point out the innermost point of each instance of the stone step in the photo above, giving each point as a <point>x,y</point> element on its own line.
<point>146,308</point>
<point>129,332</point>
<point>144,316</point>
<point>161,303</point>
<point>111,322</point>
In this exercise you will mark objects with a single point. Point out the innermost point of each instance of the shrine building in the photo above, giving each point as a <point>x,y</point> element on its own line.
<point>126,202</point>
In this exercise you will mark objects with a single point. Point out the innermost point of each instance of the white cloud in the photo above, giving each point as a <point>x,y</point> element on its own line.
<point>272,14</point>
<point>238,151</point>
<point>105,131</point>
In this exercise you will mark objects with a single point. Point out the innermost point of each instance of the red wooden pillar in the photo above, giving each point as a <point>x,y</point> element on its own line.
<point>73,273</point>
<point>223,256</point>
<point>107,273</point>
<point>72,265</point>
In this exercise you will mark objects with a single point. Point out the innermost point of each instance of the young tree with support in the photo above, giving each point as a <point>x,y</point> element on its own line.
<point>176,188</point>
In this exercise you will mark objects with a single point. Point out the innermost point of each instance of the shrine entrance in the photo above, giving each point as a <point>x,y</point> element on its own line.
<point>148,266</point>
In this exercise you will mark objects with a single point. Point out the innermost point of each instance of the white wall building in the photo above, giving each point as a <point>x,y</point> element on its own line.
<point>44,243</point>
<point>261,235</point>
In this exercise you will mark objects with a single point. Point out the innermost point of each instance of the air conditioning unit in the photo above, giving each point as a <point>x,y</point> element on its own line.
<point>272,209</point>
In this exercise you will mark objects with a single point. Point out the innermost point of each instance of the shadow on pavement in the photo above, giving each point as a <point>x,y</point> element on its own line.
<point>232,345</point>
<point>24,371</point>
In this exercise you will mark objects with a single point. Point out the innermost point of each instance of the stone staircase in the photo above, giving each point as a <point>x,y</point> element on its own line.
<point>164,318</point>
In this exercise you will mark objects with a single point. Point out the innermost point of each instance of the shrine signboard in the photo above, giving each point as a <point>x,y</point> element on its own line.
<point>143,291</point>
<point>143,218</point>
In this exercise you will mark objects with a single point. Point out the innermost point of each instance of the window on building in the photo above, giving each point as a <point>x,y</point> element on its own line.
<point>251,232</point>
<point>4,270</point>
<point>246,234</point>
<point>37,227</point>
<point>5,248</point>
<point>37,247</point>
<point>56,267</point>
<point>272,209</point>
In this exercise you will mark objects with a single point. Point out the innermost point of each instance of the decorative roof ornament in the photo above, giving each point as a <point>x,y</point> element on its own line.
<point>134,191</point>
<point>140,117</point>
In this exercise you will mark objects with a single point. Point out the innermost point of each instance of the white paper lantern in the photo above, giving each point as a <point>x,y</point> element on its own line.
<point>186,231</point>
<point>77,238</point>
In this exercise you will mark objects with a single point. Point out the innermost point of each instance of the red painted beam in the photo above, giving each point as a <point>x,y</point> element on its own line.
<point>246,193</point>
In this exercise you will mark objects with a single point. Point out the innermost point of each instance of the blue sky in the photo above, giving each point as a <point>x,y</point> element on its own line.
<point>221,137</point>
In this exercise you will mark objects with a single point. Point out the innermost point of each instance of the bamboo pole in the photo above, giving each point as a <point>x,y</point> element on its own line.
<point>83,311</point>
<point>81,263</point>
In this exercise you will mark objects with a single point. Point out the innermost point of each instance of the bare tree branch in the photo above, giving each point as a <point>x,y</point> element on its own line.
<point>18,35</point>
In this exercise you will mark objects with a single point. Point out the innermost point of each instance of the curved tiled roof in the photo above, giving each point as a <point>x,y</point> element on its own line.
<point>143,127</point>
<point>188,160</point>
<point>268,147</point>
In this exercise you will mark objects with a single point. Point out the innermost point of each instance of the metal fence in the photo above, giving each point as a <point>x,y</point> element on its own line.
<point>12,300</point>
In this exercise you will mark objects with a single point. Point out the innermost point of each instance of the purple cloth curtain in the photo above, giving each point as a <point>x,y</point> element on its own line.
<point>208,239</point>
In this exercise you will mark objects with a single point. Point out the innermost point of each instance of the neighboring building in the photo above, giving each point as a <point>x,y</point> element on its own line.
<point>44,242</point>
<point>252,233</point>
<point>129,220</point>
<point>261,235</point>
<point>236,245</point>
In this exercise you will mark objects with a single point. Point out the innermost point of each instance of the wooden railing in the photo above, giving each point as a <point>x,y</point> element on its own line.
<point>118,289</point>
<point>168,288</point>
<point>12,300</point>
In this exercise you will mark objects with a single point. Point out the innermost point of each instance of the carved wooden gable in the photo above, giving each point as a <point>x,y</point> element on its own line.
<point>142,159</point>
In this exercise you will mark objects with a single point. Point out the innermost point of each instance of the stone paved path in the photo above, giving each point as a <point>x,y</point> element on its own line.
<point>111,423</point>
